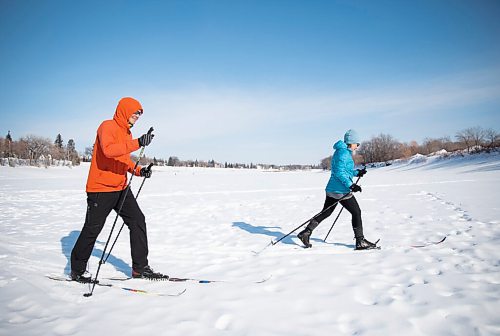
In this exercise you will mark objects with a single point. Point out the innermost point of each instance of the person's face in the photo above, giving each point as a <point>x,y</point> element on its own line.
<point>354,146</point>
<point>134,117</point>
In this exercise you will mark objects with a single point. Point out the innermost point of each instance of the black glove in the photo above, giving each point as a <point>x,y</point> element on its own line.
<point>146,139</point>
<point>355,188</point>
<point>361,172</point>
<point>146,172</point>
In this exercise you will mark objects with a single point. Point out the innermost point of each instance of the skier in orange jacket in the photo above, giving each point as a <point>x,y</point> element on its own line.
<point>106,190</point>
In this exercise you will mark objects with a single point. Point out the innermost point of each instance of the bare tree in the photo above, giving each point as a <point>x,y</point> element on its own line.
<point>407,150</point>
<point>358,158</point>
<point>3,147</point>
<point>88,153</point>
<point>471,137</point>
<point>380,149</point>
<point>326,163</point>
<point>491,138</point>
<point>36,147</point>
<point>19,149</point>
<point>478,136</point>
<point>367,151</point>
<point>56,153</point>
<point>463,137</point>
<point>431,145</point>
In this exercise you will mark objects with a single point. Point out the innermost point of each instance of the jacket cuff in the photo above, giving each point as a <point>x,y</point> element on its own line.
<point>138,171</point>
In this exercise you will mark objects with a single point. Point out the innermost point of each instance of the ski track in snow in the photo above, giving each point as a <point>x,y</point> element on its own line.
<point>205,223</point>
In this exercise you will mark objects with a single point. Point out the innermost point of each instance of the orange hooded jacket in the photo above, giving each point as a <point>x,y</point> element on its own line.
<point>113,145</point>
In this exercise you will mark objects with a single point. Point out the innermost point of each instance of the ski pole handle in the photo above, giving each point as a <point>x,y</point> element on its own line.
<point>151,129</point>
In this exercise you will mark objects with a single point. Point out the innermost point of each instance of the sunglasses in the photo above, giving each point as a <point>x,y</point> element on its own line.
<point>139,112</point>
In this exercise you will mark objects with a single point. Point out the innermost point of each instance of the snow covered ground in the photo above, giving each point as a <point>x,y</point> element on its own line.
<point>205,223</point>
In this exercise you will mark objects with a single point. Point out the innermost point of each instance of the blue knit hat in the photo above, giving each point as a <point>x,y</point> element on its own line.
<point>351,137</point>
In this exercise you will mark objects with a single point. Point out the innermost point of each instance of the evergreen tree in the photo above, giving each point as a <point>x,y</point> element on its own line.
<point>59,141</point>
<point>173,161</point>
<point>71,145</point>
<point>71,151</point>
<point>8,140</point>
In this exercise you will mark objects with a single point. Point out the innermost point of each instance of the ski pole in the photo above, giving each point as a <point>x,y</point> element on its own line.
<point>116,218</point>
<point>123,224</point>
<point>307,221</point>
<point>335,221</point>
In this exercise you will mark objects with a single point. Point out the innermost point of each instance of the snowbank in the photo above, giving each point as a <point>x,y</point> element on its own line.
<point>441,157</point>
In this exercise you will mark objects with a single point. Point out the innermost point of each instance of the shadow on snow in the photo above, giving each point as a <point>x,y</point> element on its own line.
<point>67,243</point>
<point>265,230</point>
<point>275,235</point>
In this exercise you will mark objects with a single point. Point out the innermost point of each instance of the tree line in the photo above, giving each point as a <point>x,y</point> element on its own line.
<point>174,161</point>
<point>384,147</point>
<point>35,150</point>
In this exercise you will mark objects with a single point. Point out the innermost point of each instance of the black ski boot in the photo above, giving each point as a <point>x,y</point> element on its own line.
<point>306,233</point>
<point>363,244</point>
<point>148,273</point>
<point>82,277</point>
<point>304,237</point>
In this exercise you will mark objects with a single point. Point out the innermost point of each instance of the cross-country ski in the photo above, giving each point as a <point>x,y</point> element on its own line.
<point>429,243</point>
<point>201,281</point>
<point>115,286</point>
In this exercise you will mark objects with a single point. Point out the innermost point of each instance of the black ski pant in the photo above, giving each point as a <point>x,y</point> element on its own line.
<point>99,205</point>
<point>350,204</point>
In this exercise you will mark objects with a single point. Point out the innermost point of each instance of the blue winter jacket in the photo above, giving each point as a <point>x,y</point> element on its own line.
<point>342,169</point>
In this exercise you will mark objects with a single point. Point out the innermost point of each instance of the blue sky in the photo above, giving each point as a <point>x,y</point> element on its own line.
<point>250,81</point>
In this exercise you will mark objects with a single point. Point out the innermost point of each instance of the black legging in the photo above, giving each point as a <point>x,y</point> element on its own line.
<point>350,204</point>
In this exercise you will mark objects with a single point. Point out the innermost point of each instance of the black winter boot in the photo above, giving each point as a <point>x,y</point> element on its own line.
<point>148,273</point>
<point>304,237</point>
<point>312,225</point>
<point>306,233</point>
<point>82,277</point>
<point>363,244</point>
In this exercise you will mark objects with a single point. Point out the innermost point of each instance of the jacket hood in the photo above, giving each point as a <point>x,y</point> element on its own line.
<point>126,107</point>
<point>340,145</point>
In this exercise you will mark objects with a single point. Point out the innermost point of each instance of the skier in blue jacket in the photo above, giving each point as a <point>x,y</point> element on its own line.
<point>340,187</point>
